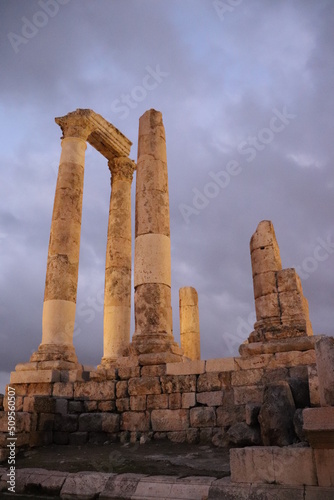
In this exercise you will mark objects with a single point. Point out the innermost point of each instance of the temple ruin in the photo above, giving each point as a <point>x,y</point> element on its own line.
<point>273,404</point>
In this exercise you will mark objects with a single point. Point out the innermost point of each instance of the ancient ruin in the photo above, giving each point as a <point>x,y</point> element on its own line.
<point>273,405</point>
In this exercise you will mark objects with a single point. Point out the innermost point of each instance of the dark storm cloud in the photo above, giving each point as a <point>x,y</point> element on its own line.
<point>224,78</point>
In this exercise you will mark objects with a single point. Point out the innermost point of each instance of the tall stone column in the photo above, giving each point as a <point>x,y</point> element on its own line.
<point>189,323</point>
<point>117,292</point>
<point>64,247</point>
<point>152,273</point>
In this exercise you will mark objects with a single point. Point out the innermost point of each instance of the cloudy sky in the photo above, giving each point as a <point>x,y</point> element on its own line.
<point>246,92</point>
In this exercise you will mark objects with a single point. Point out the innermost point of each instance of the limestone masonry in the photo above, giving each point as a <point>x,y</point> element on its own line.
<point>273,404</point>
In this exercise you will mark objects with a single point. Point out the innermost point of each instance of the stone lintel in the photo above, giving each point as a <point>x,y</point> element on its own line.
<point>93,128</point>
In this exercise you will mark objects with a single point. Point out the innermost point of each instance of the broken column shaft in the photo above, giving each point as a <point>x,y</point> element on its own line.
<point>152,273</point>
<point>189,323</point>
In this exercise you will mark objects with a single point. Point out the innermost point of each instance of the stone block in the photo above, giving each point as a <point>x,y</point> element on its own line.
<point>241,434</point>
<point>110,422</point>
<point>247,377</point>
<point>230,415</point>
<point>42,389</point>
<point>264,284</point>
<point>177,436</point>
<point>144,385</point>
<point>41,438</point>
<point>44,404</point>
<point>79,406</point>
<point>121,486</point>
<point>267,306</point>
<point>250,394</point>
<point>324,348</point>
<point>20,389</point>
<point>187,368</point>
<point>138,403</point>
<point>34,377</point>
<point>123,404</point>
<point>220,365</point>
<point>28,403</point>
<point>324,461</point>
<point>95,390</point>
<point>286,466</point>
<point>209,382</point>
<point>136,421</point>
<point>251,413</point>
<point>45,421</point>
<point>319,426</point>
<point>66,423</point>
<point>157,401</point>
<point>63,390</point>
<point>22,422</point>
<point>288,281</point>
<point>188,399</point>
<point>153,370</point>
<point>84,485</point>
<point>265,259</point>
<point>126,372</point>
<point>292,358</point>
<point>178,383</point>
<point>211,398</point>
<point>170,420</point>
<point>264,236</point>
<point>122,389</point>
<point>106,406</point>
<point>174,401</point>
<point>90,422</point>
<point>61,406</point>
<point>253,362</point>
<point>292,304</point>
<point>202,417</point>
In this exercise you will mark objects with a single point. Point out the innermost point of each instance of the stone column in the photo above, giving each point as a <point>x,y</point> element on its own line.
<point>64,246</point>
<point>152,273</point>
<point>117,291</point>
<point>189,323</point>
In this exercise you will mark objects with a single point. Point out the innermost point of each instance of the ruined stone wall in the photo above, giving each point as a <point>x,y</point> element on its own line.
<point>215,401</point>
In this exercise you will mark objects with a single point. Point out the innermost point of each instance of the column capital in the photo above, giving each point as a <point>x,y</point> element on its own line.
<point>74,125</point>
<point>122,168</point>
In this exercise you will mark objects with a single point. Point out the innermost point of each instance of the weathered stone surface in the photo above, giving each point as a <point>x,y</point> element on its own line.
<point>264,284</point>
<point>220,365</point>
<point>288,466</point>
<point>174,401</point>
<point>63,390</point>
<point>138,403</point>
<point>213,398</point>
<point>188,368</point>
<point>90,422</point>
<point>202,417</point>
<point>319,426</point>
<point>188,399</point>
<point>123,404</point>
<point>182,383</point>
<point>136,421</point>
<point>267,306</point>
<point>324,460</point>
<point>157,401</point>
<point>303,343</point>
<point>95,390</point>
<point>300,392</point>
<point>66,423</point>
<point>122,389</point>
<point>324,348</point>
<point>249,394</point>
<point>189,323</point>
<point>85,485</point>
<point>246,377</point>
<point>127,372</point>
<point>210,382</point>
<point>144,385</point>
<point>153,370</point>
<point>34,377</point>
<point>251,413</point>
<point>230,415</point>
<point>241,434</point>
<point>170,420</point>
<point>121,486</point>
<point>276,415</point>
<point>313,381</point>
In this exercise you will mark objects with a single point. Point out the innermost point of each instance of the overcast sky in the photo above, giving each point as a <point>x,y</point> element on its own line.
<point>246,93</point>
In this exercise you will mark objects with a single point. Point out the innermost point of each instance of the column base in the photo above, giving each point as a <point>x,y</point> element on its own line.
<point>64,353</point>
<point>155,349</point>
